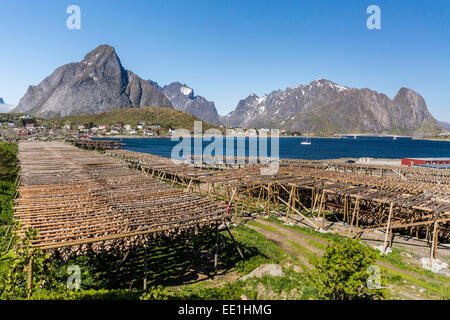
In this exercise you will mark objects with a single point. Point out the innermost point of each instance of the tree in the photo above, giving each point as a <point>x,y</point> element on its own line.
<point>342,272</point>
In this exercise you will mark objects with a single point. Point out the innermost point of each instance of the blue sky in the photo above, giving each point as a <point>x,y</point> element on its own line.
<point>228,49</point>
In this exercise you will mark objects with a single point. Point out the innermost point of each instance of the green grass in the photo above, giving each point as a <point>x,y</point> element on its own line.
<point>302,250</point>
<point>263,226</point>
<point>8,175</point>
<point>108,277</point>
<point>317,244</point>
<point>396,259</point>
<point>253,239</point>
<point>150,115</point>
<point>432,288</point>
<point>436,285</point>
<point>307,231</point>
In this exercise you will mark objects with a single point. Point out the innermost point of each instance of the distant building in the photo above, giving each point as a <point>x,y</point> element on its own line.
<point>103,127</point>
<point>443,163</point>
<point>148,133</point>
<point>127,127</point>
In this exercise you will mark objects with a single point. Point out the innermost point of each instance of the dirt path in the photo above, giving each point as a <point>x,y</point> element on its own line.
<point>286,239</point>
<point>292,234</point>
<point>280,240</point>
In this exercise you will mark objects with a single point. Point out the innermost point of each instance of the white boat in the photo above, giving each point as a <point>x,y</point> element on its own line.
<point>307,141</point>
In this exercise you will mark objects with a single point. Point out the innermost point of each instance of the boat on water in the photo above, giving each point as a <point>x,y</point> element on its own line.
<point>306,142</point>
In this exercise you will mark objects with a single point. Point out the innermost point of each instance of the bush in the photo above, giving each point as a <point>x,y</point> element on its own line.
<point>8,175</point>
<point>342,272</point>
<point>14,265</point>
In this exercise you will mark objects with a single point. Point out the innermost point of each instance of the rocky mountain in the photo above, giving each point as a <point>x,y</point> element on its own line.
<point>183,98</point>
<point>444,124</point>
<point>4,107</point>
<point>323,106</point>
<point>97,84</point>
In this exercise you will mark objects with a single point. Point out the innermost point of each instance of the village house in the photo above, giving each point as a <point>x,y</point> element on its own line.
<point>103,127</point>
<point>148,133</point>
<point>23,132</point>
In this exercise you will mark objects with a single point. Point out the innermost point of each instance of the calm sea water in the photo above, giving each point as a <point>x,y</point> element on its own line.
<point>320,148</point>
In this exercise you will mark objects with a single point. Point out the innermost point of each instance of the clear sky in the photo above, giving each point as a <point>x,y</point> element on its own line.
<point>228,49</point>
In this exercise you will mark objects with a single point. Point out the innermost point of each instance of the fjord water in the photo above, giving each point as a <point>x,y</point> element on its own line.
<point>320,148</point>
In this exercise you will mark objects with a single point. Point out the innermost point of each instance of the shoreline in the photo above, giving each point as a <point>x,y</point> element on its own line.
<point>298,137</point>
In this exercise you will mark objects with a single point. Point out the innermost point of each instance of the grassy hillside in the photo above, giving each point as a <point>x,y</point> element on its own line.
<point>8,175</point>
<point>150,115</point>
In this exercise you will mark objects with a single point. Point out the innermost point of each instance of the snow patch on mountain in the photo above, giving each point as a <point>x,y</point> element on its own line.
<point>186,90</point>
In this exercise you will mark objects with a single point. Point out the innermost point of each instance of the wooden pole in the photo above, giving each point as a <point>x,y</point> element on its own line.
<point>295,210</point>
<point>353,215</point>
<point>345,209</point>
<point>30,277</point>
<point>235,243</point>
<point>290,203</point>
<point>388,227</point>
<point>322,199</point>
<point>145,268</point>
<point>216,253</point>
<point>433,244</point>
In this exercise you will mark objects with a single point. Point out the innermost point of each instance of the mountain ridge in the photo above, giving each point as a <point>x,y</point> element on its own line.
<point>4,107</point>
<point>323,106</point>
<point>98,83</point>
<point>183,98</point>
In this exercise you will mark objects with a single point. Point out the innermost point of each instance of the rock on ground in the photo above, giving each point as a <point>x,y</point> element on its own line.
<point>438,266</point>
<point>274,270</point>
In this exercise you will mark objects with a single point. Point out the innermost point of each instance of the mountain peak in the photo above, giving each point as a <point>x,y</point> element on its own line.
<point>182,98</point>
<point>2,101</point>
<point>323,106</point>
<point>97,84</point>
<point>179,87</point>
<point>100,54</point>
